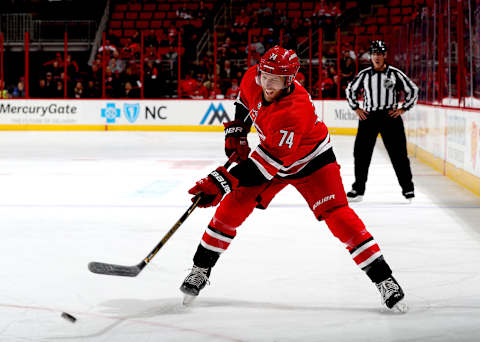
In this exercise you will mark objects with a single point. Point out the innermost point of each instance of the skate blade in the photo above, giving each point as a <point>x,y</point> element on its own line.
<point>187,299</point>
<point>400,307</point>
<point>355,199</point>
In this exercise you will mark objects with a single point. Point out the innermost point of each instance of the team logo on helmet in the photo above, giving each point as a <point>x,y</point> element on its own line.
<point>272,57</point>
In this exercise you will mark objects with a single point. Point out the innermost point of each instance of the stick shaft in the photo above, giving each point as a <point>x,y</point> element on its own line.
<point>133,271</point>
<point>182,219</point>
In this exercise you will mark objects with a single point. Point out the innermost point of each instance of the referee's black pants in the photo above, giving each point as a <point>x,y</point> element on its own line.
<point>395,141</point>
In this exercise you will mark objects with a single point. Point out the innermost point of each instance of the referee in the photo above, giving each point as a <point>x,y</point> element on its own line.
<point>381,84</point>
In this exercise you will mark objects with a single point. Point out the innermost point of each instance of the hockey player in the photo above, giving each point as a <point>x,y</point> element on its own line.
<point>295,148</point>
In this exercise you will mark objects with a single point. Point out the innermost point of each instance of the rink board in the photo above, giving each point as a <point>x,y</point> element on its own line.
<point>145,115</point>
<point>447,138</point>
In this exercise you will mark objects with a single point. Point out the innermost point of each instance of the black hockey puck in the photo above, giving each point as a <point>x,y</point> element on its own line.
<point>68,317</point>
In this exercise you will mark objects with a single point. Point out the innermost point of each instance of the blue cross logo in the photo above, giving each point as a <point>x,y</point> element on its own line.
<point>111,113</point>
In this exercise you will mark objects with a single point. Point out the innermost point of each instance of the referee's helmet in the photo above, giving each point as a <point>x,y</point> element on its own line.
<point>378,46</point>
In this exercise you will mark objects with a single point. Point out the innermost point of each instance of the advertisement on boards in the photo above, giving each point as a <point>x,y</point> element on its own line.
<point>116,112</point>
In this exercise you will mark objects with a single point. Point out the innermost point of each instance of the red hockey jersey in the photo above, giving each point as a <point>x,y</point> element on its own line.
<point>291,133</point>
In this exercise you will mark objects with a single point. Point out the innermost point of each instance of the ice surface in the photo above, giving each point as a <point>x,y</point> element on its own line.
<point>68,198</point>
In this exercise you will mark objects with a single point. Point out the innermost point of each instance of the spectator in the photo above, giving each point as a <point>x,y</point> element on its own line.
<point>227,50</point>
<point>58,91</point>
<point>200,91</point>
<point>264,10</point>
<point>226,74</point>
<point>95,73</point>
<point>3,90</point>
<point>233,91</point>
<point>348,52</point>
<point>300,78</point>
<point>171,58</point>
<point>215,93</point>
<point>364,59</point>
<point>136,38</point>
<point>129,50</point>
<point>19,90</point>
<point>50,85</point>
<point>241,20</point>
<point>331,54</point>
<point>329,90</point>
<point>172,36</point>
<point>78,90</point>
<point>55,69</point>
<point>92,91</point>
<point>72,66</point>
<point>171,55</point>
<point>256,46</point>
<point>130,92</point>
<point>200,67</point>
<point>150,79</point>
<point>58,58</point>
<point>112,83</point>
<point>347,69</point>
<point>115,66</point>
<point>110,49</point>
<point>187,86</point>
<point>183,13</point>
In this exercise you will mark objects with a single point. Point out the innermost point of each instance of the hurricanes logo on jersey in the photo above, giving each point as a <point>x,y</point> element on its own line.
<point>259,132</point>
<point>253,114</point>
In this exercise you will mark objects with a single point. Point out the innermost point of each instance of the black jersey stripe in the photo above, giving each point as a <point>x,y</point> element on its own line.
<point>269,155</point>
<point>219,232</point>
<point>360,245</point>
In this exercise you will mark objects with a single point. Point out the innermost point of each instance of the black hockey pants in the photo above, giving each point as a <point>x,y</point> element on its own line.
<point>393,136</point>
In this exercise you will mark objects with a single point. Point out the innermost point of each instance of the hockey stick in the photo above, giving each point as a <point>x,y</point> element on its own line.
<point>133,271</point>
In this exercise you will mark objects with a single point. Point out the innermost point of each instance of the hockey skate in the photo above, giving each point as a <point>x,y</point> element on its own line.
<point>194,283</point>
<point>392,295</point>
<point>409,195</point>
<point>354,196</point>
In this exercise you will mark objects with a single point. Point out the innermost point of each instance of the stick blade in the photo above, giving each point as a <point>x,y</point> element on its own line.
<point>115,270</point>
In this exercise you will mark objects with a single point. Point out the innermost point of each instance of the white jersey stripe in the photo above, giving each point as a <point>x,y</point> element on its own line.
<point>324,146</point>
<point>262,169</point>
<point>370,260</point>
<point>217,236</point>
<point>362,248</point>
<point>267,158</point>
<point>211,248</point>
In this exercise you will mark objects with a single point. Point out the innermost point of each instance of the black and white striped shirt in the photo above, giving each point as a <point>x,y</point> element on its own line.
<point>381,89</point>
